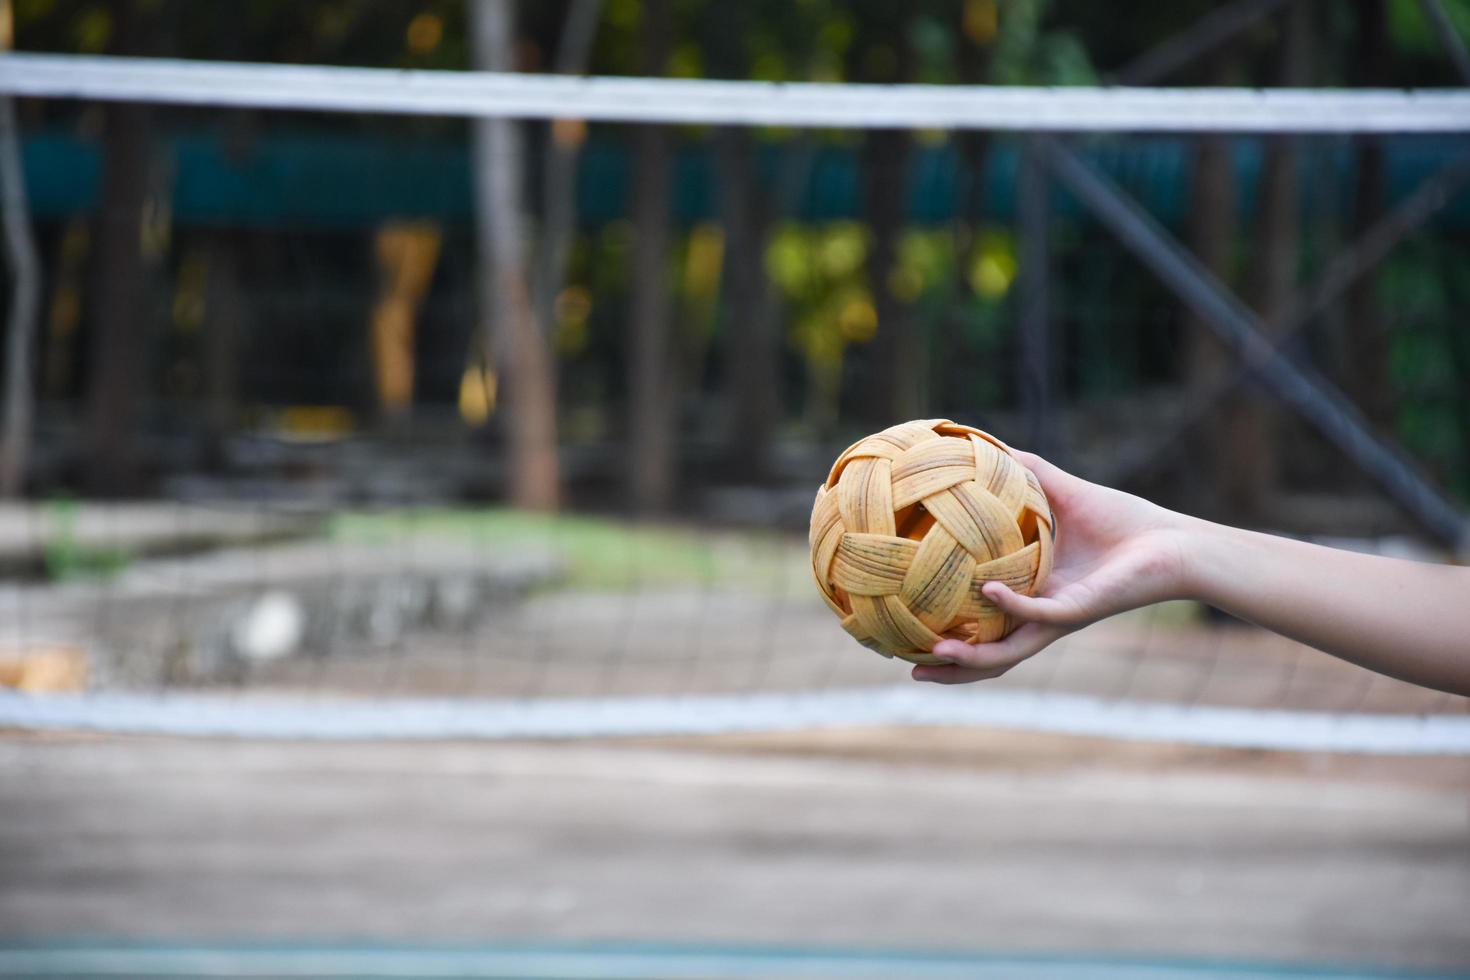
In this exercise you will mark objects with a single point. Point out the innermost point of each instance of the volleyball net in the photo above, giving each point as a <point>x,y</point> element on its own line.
<point>321,424</point>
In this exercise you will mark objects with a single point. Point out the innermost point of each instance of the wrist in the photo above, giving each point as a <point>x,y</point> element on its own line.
<point>1204,548</point>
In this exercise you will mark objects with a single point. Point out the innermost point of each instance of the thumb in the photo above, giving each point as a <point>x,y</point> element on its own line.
<point>1027,609</point>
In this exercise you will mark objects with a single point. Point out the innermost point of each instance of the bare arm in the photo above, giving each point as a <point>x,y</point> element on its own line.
<point>1407,619</point>
<point>1116,552</point>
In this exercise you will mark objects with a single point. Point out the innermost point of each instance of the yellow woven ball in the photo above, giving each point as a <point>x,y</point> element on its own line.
<point>913,521</point>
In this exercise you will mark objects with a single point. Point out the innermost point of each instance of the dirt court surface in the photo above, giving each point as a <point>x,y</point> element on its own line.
<point>928,839</point>
<point>921,838</point>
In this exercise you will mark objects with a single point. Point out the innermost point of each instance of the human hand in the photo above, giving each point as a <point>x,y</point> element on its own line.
<point>1114,552</point>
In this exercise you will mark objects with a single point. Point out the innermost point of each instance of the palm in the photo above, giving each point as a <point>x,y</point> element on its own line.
<point>1089,582</point>
<point>1114,552</point>
<point>1111,553</point>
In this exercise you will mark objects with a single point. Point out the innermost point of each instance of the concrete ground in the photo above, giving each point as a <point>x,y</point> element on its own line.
<point>921,839</point>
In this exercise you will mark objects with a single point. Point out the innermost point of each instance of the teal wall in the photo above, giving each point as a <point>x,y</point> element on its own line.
<point>301,179</point>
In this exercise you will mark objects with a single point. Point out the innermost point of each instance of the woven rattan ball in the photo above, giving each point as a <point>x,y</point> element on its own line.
<point>912,522</point>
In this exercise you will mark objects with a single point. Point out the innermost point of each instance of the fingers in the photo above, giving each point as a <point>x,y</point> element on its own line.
<point>1036,464</point>
<point>949,674</point>
<point>982,661</point>
<point>1054,479</point>
<point>1028,609</point>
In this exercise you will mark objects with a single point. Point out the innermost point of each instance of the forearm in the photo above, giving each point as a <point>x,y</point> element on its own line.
<point>1406,619</point>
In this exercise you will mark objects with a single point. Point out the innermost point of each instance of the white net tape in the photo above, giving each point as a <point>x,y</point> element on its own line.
<point>667,100</point>
<point>279,718</point>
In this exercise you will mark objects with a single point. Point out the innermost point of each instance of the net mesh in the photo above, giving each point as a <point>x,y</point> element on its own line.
<point>325,556</point>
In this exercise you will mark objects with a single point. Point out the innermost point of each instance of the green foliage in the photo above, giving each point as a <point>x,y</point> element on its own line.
<point>925,260</point>
<point>27,11</point>
<point>1429,363</point>
<point>93,30</point>
<point>820,272</point>
<point>1413,34</point>
<point>933,43</point>
<point>66,558</point>
<point>994,264</point>
<point>1028,54</point>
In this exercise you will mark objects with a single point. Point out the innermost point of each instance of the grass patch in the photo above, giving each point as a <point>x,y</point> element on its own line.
<point>66,558</point>
<point>600,553</point>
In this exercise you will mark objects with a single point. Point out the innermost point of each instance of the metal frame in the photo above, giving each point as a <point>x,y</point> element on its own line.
<point>1244,333</point>
<point>1356,260</point>
<point>1203,36</point>
<point>1297,386</point>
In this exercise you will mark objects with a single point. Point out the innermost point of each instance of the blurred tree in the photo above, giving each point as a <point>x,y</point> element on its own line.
<point>1212,236</point>
<point>751,387</point>
<point>651,419</point>
<point>1251,470</point>
<point>227,305</point>
<point>1032,50</point>
<point>563,144</point>
<point>1367,340</point>
<point>22,312</point>
<point>120,322</point>
<point>226,317</point>
<point>1417,36</point>
<point>1454,263</point>
<point>978,25</point>
<point>881,53</point>
<point>822,274</point>
<point>518,347</point>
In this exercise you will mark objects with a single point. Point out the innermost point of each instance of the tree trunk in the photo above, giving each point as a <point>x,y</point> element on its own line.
<point>897,350</point>
<point>881,54</point>
<point>25,297</point>
<point>1367,341</point>
<point>1457,344</point>
<point>120,336</point>
<point>752,343</point>
<point>225,309</point>
<point>1035,339</point>
<point>559,165</point>
<point>518,348</point>
<point>973,61</point>
<point>1252,464</point>
<point>119,325</point>
<point>752,352</point>
<point>1212,238</point>
<point>1213,227</point>
<point>650,382</point>
<point>70,270</point>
